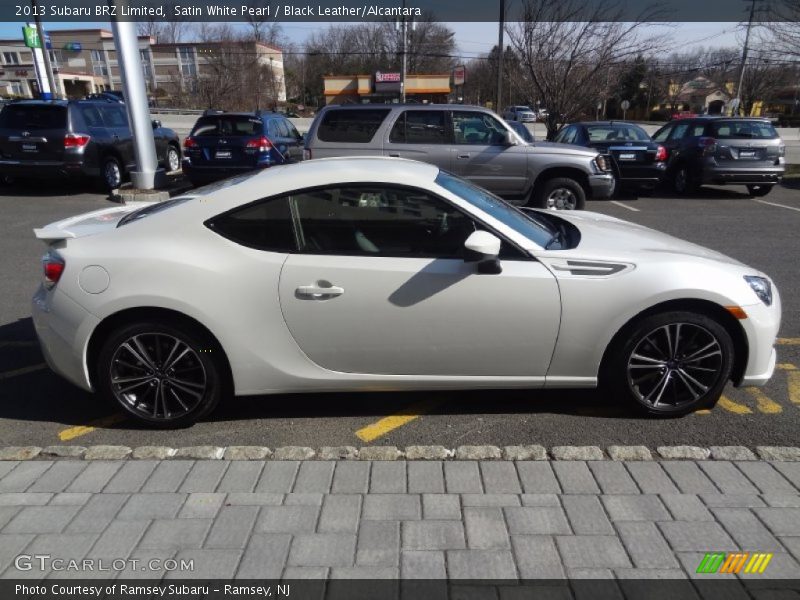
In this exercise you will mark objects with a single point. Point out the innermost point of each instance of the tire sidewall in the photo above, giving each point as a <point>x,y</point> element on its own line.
<point>106,184</point>
<point>615,375</point>
<point>170,150</point>
<point>205,350</point>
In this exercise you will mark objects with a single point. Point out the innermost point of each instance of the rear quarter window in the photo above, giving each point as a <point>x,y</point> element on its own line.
<point>33,117</point>
<point>351,126</point>
<point>265,225</point>
<point>743,129</point>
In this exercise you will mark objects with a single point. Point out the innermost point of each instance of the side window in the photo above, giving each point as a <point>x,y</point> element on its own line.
<point>379,220</point>
<point>477,128</point>
<point>679,131</point>
<point>698,130</point>
<point>291,130</point>
<point>273,129</point>
<point>420,127</point>
<point>662,134</point>
<point>351,126</point>
<point>265,225</point>
<point>568,135</point>
<point>114,116</point>
<point>91,116</point>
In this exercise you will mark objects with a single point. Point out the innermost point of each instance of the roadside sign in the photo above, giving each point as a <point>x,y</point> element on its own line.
<point>459,75</point>
<point>31,37</point>
<point>625,105</point>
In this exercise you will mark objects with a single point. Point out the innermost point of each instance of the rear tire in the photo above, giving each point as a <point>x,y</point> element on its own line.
<point>110,173</point>
<point>559,193</point>
<point>682,181</point>
<point>162,375</point>
<point>670,364</point>
<point>759,190</point>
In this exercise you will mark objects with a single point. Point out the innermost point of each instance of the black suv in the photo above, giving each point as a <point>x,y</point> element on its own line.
<point>75,138</point>
<point>224,144</point>
<point>723,150</point>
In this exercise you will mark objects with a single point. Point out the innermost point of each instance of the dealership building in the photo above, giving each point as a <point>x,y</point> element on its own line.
<point>85,62</point>
<point>381,87</point>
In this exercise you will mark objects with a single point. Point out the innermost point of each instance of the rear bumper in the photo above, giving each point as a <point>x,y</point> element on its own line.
<point>214,173</point>
<point>602,185</point>
<point>722,176</point>
<point>43,169</point>
<point>641,177</point>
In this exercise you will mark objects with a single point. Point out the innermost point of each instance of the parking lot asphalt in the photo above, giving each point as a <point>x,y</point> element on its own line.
<point>39,408</point>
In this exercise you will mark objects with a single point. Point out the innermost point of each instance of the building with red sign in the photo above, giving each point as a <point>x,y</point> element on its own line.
<point>382,87</point>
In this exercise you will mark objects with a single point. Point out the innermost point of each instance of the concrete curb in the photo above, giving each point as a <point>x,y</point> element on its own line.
<point>385,453</point>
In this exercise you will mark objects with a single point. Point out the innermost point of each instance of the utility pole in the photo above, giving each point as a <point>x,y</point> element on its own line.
<point>48,67</point>
<point>744,57</point>
<point>500,55</point>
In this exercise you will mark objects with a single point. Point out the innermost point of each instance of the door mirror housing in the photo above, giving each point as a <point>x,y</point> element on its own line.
<point>508,139</point>
<point>484,248</point>
<point>156,124</point>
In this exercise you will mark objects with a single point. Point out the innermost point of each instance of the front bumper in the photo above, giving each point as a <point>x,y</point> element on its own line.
<point>761,329</point>
<point>602,185</point>
<point>63,328</point>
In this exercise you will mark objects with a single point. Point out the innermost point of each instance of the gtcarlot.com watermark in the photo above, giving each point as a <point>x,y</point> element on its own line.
<point>45,562</point>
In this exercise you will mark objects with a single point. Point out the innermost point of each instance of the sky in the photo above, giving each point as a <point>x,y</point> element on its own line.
<point>474,39</point>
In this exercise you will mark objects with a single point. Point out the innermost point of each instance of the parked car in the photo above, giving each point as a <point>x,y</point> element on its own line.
<point>721,151</point>
<point>224,144</point>
<point>75,138</point>
<point>108,96</point>
<point>361,273</point>
<point>638,162</point>
<point>523,114</point>
<point>470,141</point>
<point>522,131</point>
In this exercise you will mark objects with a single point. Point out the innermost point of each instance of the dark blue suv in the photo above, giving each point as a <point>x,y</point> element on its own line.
<point>225,144</point>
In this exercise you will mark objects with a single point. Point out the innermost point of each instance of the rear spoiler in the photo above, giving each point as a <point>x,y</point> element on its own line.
<point>90,223</point>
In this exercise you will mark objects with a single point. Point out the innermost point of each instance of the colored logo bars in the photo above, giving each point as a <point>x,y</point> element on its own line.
<point>720,562</point>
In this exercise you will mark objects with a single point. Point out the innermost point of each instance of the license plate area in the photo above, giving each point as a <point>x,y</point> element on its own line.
<point>30,148</point>
<point>222,154</point>
<point>627,156</point>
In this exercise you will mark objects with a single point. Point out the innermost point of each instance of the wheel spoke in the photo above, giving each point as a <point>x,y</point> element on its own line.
<point>143,352</point>
<point>701,350</point>
<point>653,361</point>
<point>183,353</point>
<point>133,386</point>
<point>178,398</point>
<point>168,360</point>
<point>140,378</point>
<point>193,384</point>
<point>690,381</point>
<point>187,390</point>
<point>660,386</point>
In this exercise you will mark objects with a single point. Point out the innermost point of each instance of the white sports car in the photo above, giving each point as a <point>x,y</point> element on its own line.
<point>388,274</point>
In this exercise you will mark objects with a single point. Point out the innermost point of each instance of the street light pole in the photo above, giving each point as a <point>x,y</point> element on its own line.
<point>744,57</point>
<point>500,28</point>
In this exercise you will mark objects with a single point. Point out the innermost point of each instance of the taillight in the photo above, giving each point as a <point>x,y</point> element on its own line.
<point>306,154</point>
<point>661,154</point>
<point>261,144</point>
<point>708,145</point>
<point>188,143</point>
<point>76,140</point>
<point>53,267</point>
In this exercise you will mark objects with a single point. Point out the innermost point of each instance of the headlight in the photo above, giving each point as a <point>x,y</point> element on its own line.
<point>762,287</point>
<point>602,163</point>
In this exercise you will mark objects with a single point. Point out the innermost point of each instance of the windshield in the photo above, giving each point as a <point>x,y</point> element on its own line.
<point>743,129</point>
<point>616,132</point>
<point>228,125</point>
<point>527,225</point>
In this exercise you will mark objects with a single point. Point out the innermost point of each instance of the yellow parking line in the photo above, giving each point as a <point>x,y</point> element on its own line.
<point>73,432</point>
<point>23,371</point>
<point>702,411</point>
<point>794,386</point>
<point>764,404</point>
<point>788,341</point>
<point>734,407</point>
<point>387,424</point>
<point>786,367</point>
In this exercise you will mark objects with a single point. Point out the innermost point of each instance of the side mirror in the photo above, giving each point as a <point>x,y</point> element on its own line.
<point>508,139</point>
<point>483,248</point>
<point>156,124</point>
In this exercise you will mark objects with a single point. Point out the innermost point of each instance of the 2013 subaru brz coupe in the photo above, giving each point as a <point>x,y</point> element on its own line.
<point>381,273</point>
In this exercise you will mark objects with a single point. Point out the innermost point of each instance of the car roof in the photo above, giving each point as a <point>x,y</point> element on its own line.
<point>607,123</point>
<point>405,105</point>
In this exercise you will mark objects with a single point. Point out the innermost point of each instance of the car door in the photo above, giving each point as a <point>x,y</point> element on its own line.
<point>381,286</point>
<point>483,157</point>
<point>101,136</point>
<point>422,135</point>
<point>294,140</point>
<point>116,121</point>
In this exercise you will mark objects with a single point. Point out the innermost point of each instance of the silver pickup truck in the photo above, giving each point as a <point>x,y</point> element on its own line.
<point>470,141</point>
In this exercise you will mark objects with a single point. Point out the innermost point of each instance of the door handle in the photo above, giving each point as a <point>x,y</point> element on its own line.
<point>394,156</point>
<point>318,292</point>
<point>463,156</point>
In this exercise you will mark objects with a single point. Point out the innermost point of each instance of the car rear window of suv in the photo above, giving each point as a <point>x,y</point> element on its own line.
<point>743,129</point>
<point>351,126</point>
<point>228,125</point>
<point>33,117</point>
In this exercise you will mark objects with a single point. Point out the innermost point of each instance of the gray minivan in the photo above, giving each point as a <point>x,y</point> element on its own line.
<point>470,141</point>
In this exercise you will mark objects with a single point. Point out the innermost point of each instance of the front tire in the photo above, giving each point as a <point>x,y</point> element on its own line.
<point>670,364</point>
<point>759,190</point>
<point>111,173</point>
<point>161,375</point>
<point>560,193</point>
<point>173,158</point>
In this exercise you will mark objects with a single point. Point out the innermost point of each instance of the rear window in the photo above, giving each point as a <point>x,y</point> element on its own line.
<point>601,133</point>
<point>33,117</point>
<point>352,126</point>
<point>743,129</point>
<point>228,126</point>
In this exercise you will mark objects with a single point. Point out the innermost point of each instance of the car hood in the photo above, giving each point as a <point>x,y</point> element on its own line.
<point>605,237</point>
<point>569,149</point>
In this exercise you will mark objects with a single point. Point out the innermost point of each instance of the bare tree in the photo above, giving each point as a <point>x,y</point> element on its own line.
<point>785,28</point>
<point>566,48</point>
<point>165,32</point>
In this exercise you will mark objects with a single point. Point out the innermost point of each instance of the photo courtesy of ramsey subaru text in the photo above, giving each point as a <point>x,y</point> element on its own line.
<point>353,274</point>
